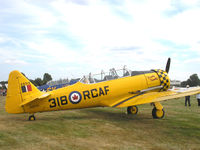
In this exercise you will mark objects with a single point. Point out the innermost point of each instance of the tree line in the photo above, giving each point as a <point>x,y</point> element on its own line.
<point>192,81</point>
<point>38,81</point>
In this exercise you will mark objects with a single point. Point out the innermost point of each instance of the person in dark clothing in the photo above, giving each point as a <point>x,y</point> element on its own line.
<point>187,98</point>
<point>198,99</point>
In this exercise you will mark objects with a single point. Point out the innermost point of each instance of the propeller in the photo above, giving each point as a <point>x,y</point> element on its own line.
<point>168,65</point>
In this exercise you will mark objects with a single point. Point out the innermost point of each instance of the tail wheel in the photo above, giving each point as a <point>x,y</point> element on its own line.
<point>132,110</point>
<point>157,113</point>
<point>31,118</point>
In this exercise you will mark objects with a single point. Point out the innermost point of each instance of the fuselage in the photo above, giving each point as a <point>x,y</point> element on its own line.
<point>82,95</point>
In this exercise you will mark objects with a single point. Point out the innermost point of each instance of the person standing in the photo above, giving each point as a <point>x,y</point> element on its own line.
<point>187,98</point>
<point>198,99</point>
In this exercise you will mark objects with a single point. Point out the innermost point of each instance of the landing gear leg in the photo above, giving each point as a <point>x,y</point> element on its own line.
<point>31,117</point>
<point>132,110</point>
<point>158,111</point>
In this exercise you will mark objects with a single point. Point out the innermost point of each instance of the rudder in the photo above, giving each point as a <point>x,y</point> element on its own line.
<point>19,89</point>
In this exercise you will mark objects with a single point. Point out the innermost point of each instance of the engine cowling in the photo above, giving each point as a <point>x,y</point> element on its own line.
<point>164,79</point>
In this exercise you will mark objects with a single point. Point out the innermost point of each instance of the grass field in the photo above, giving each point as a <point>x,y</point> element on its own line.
<point>103,128</point>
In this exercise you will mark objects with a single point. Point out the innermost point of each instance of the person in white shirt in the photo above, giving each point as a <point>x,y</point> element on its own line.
<point>198,99</point>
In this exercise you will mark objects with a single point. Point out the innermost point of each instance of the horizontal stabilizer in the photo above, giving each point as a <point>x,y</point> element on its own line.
<point>31,99</point>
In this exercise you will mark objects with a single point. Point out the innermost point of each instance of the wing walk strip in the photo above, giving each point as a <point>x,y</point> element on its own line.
<point>127,99</point>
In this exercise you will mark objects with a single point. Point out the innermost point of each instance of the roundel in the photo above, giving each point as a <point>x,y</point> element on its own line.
<point>75,97</point>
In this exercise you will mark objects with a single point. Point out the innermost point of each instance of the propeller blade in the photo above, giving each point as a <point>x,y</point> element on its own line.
<point>168,65</point>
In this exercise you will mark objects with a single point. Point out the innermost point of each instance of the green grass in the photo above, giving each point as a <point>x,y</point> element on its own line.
<point>103,128</point>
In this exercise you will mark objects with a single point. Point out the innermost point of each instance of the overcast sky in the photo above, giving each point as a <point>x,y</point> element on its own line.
<point>70,38</point>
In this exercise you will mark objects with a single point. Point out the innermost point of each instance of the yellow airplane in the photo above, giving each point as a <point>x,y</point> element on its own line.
<point>132,89</point>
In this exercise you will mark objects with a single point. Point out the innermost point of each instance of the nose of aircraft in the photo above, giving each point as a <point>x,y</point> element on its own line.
<point>164,79</point>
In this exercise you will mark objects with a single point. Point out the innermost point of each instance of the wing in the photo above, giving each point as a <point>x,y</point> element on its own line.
<point>150,97</point>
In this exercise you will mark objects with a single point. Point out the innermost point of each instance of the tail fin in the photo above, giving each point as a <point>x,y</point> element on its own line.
<point>19,90</point>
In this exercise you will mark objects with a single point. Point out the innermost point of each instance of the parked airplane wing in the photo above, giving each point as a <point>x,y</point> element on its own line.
<point>143,98</point>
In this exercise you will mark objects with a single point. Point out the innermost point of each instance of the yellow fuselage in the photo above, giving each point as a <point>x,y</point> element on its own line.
<point>82,95</point>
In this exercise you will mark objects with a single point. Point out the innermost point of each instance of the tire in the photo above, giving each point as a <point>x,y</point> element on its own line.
<point>158,114</point>
<point>31,118</point>
<point>132,110</point>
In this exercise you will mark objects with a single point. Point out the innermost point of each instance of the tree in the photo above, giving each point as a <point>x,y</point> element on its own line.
<point>47,77</point>
<point>192,81</point>
<point>3,84</point>
<point>184,84</point>
<point>38,82</point>
<point>33,82</point>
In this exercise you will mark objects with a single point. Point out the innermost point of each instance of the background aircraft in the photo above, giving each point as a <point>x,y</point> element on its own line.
<point>48,87</point>
<point>129,90</point>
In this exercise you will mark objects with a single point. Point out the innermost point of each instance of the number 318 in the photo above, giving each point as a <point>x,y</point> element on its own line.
<point>58,102</point>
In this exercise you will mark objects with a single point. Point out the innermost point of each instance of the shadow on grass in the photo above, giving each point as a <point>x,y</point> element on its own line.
<point>101,114</point>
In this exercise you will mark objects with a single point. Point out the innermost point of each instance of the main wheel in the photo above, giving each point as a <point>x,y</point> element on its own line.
<point>132,110</point>
<point>158,114</point>
<point>31,118</point>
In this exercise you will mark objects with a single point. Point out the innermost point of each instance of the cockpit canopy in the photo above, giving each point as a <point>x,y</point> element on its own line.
<point>105,76</point>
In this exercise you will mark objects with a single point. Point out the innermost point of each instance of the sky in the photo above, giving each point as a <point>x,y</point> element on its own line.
<point>71,38</point>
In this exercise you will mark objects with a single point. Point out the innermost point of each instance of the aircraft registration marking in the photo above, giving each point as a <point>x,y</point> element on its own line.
<point>58,101</point>
<point>75,97</point>
<point>88,94</point>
